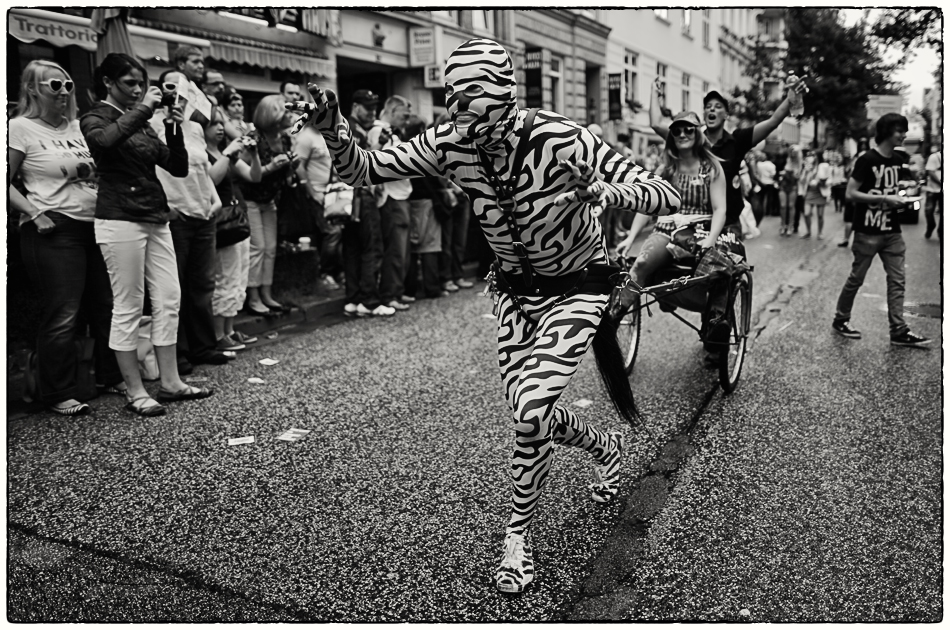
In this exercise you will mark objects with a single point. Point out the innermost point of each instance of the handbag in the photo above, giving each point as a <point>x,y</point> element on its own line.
<point>232,224</point>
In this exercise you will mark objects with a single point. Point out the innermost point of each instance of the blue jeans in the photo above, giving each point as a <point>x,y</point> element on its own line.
<point>891,248</point>
<point>394,220</point>
<point>194,241</point>
<point>70,276</point>
<point>363,252</point>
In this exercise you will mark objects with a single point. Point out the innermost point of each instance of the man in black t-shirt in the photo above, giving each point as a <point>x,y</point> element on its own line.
<point>874,189</point>
<point>731,147</point>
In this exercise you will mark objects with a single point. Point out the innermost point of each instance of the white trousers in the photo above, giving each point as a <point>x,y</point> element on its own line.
<point>231,266</point>
<point>263,219</point>
<point>136,255</point>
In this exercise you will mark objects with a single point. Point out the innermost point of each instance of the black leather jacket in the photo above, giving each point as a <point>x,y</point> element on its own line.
<point>127,150</point>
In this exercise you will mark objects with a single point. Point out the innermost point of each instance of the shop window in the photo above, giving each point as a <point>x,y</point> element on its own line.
<point>661,75</point>
<point>483,20</point>
<point>706,33</point>
<point>557,85</point>
<point>630,59</point>
<point>687,21</point>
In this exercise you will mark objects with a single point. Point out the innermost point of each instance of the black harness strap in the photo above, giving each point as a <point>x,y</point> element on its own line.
<point>505,193</point>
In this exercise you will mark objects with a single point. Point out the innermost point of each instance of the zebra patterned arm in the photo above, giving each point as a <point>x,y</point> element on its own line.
<point>615,181</point>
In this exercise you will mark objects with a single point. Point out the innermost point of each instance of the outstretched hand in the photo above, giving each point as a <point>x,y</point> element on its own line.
<point>587,188</point>
<point>323,113</point>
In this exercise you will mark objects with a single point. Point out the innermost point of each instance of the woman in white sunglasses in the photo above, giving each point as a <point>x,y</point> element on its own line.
<point>48,151</point>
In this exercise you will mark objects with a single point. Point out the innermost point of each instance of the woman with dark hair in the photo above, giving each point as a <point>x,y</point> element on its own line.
<point>131,222</point>
<point>817,177</point>
<point>690,166</point>
<point>47,150</point>
<point>271,121</point>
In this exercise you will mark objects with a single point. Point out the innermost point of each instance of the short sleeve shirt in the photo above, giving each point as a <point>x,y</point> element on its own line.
<point>313,151</point>
<point>732,148</point>
<point>934,163</point>
<point>57,170</point>
<point>192,194</point>
<point>877,175</point>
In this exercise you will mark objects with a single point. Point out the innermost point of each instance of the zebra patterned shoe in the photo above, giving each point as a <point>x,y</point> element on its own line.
<point>517,566</point>
<point>607,475</point>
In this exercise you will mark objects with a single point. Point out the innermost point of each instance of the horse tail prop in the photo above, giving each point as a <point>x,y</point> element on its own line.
<point>610,364</point>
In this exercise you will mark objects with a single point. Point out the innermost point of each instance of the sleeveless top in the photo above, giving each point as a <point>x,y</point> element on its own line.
<point>694,190</point>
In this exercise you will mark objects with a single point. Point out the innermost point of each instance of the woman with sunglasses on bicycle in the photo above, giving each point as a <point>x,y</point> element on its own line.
<point>47,150</point>
<point>689,165</point>
<point>132,222</point>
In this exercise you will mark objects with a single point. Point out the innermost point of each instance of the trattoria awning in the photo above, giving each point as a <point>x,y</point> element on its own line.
<point>59,29</point>
<point>266,58</point>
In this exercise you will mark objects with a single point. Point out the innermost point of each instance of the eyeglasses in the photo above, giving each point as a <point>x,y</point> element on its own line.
<point>58,84</point>
<point>682,130</point>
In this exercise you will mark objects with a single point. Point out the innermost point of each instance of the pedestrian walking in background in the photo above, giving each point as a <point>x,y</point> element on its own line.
<point>131,222</point>
<point>546,174</point>
<point>392,198</point>
<point>873,188</point>
<point>192,202</point>
<point>57,236</point>
<point>278,162</point>
<point>766,172</point>
<point>232,259</point>
<point>838,178</point>
<point>933,187</point>
<point>788,188</point>
<point>817,176</point>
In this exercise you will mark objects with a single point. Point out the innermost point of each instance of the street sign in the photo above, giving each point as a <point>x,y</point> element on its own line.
<point>880,104</point>
<point>422,46</point>
<point>433,76</point>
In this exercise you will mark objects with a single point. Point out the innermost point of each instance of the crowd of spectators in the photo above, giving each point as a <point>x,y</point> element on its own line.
<point>157,210</point>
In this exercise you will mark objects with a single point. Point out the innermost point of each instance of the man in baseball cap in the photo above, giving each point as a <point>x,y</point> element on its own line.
<point>730,147</point>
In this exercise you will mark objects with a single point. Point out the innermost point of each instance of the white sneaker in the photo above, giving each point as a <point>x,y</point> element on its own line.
<point>329,283</point>
<point>380,311</point>
<point>516,570</point>
<point>407,299</point>
<point>399,306</point>
<point>450,286</point>
<point>351,310</point>
<point>607,475</point>
<point>462,283</point>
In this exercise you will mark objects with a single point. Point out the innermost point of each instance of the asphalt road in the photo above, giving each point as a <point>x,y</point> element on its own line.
<point>813,493</point>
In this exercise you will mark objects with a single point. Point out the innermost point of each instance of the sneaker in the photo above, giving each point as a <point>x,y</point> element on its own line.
<point>328,283</point>
<point>607,474</point>
<point>407,299</point>
<point>516,570</point>
<point>228,343</point>
<point>350,310</point>
<point>462,283</point>
<point>399,306</point>
<point>843,244</point>
<point>910,339</point>
<point>240,337</point>
<point>380,311</point>
<point>845,330</point>
<point>450,286</point>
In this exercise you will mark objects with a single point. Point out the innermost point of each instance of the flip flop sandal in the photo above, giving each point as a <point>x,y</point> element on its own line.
<point>82,409</point>
<point>189,393</point>
<point>148,412</point>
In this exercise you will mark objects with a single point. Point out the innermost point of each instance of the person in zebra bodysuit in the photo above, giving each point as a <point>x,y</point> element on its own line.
<point>543,332</point>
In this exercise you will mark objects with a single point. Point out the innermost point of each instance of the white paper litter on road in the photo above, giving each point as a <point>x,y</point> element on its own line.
<point>255,380</point>
<point>289,437</point>
<point>489,316</point>
<point>241,440</point>
<point>270,335</point>
<point>873,296</point>
<point>768,246</point>
<point>298,431</point>
<point>268,362</point>
<point>583,403</point>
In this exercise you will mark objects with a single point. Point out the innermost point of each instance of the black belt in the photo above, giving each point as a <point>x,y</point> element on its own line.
<point>592,280</point>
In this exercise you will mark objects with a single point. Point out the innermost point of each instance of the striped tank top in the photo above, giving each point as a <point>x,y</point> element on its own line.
<point>694,189</point>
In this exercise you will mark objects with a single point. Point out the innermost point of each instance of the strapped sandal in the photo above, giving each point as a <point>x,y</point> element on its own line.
<point>82,409</point>
<point>112,389</point>
<point>148,412</point>
<point>188,393</point>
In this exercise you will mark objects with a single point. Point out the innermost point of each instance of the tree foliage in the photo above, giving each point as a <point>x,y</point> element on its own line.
<point>907,29</point>
<point>840,65</point>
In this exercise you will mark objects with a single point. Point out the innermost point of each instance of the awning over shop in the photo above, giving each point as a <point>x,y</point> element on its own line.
<point>239,53</point>
<point>59,29</point>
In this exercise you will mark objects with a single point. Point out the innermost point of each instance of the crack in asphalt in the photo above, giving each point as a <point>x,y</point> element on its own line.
<point>189,578</point>
<point>611,568</point>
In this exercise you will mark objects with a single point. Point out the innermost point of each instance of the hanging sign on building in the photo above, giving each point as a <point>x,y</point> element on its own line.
<point>29,28</point>
<point>614,87</point>
<point>433,76</point>
<point>422,46</point>
<point>532,77</point>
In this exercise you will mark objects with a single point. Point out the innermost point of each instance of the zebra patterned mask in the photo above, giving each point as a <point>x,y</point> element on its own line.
<point>480,94</point>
